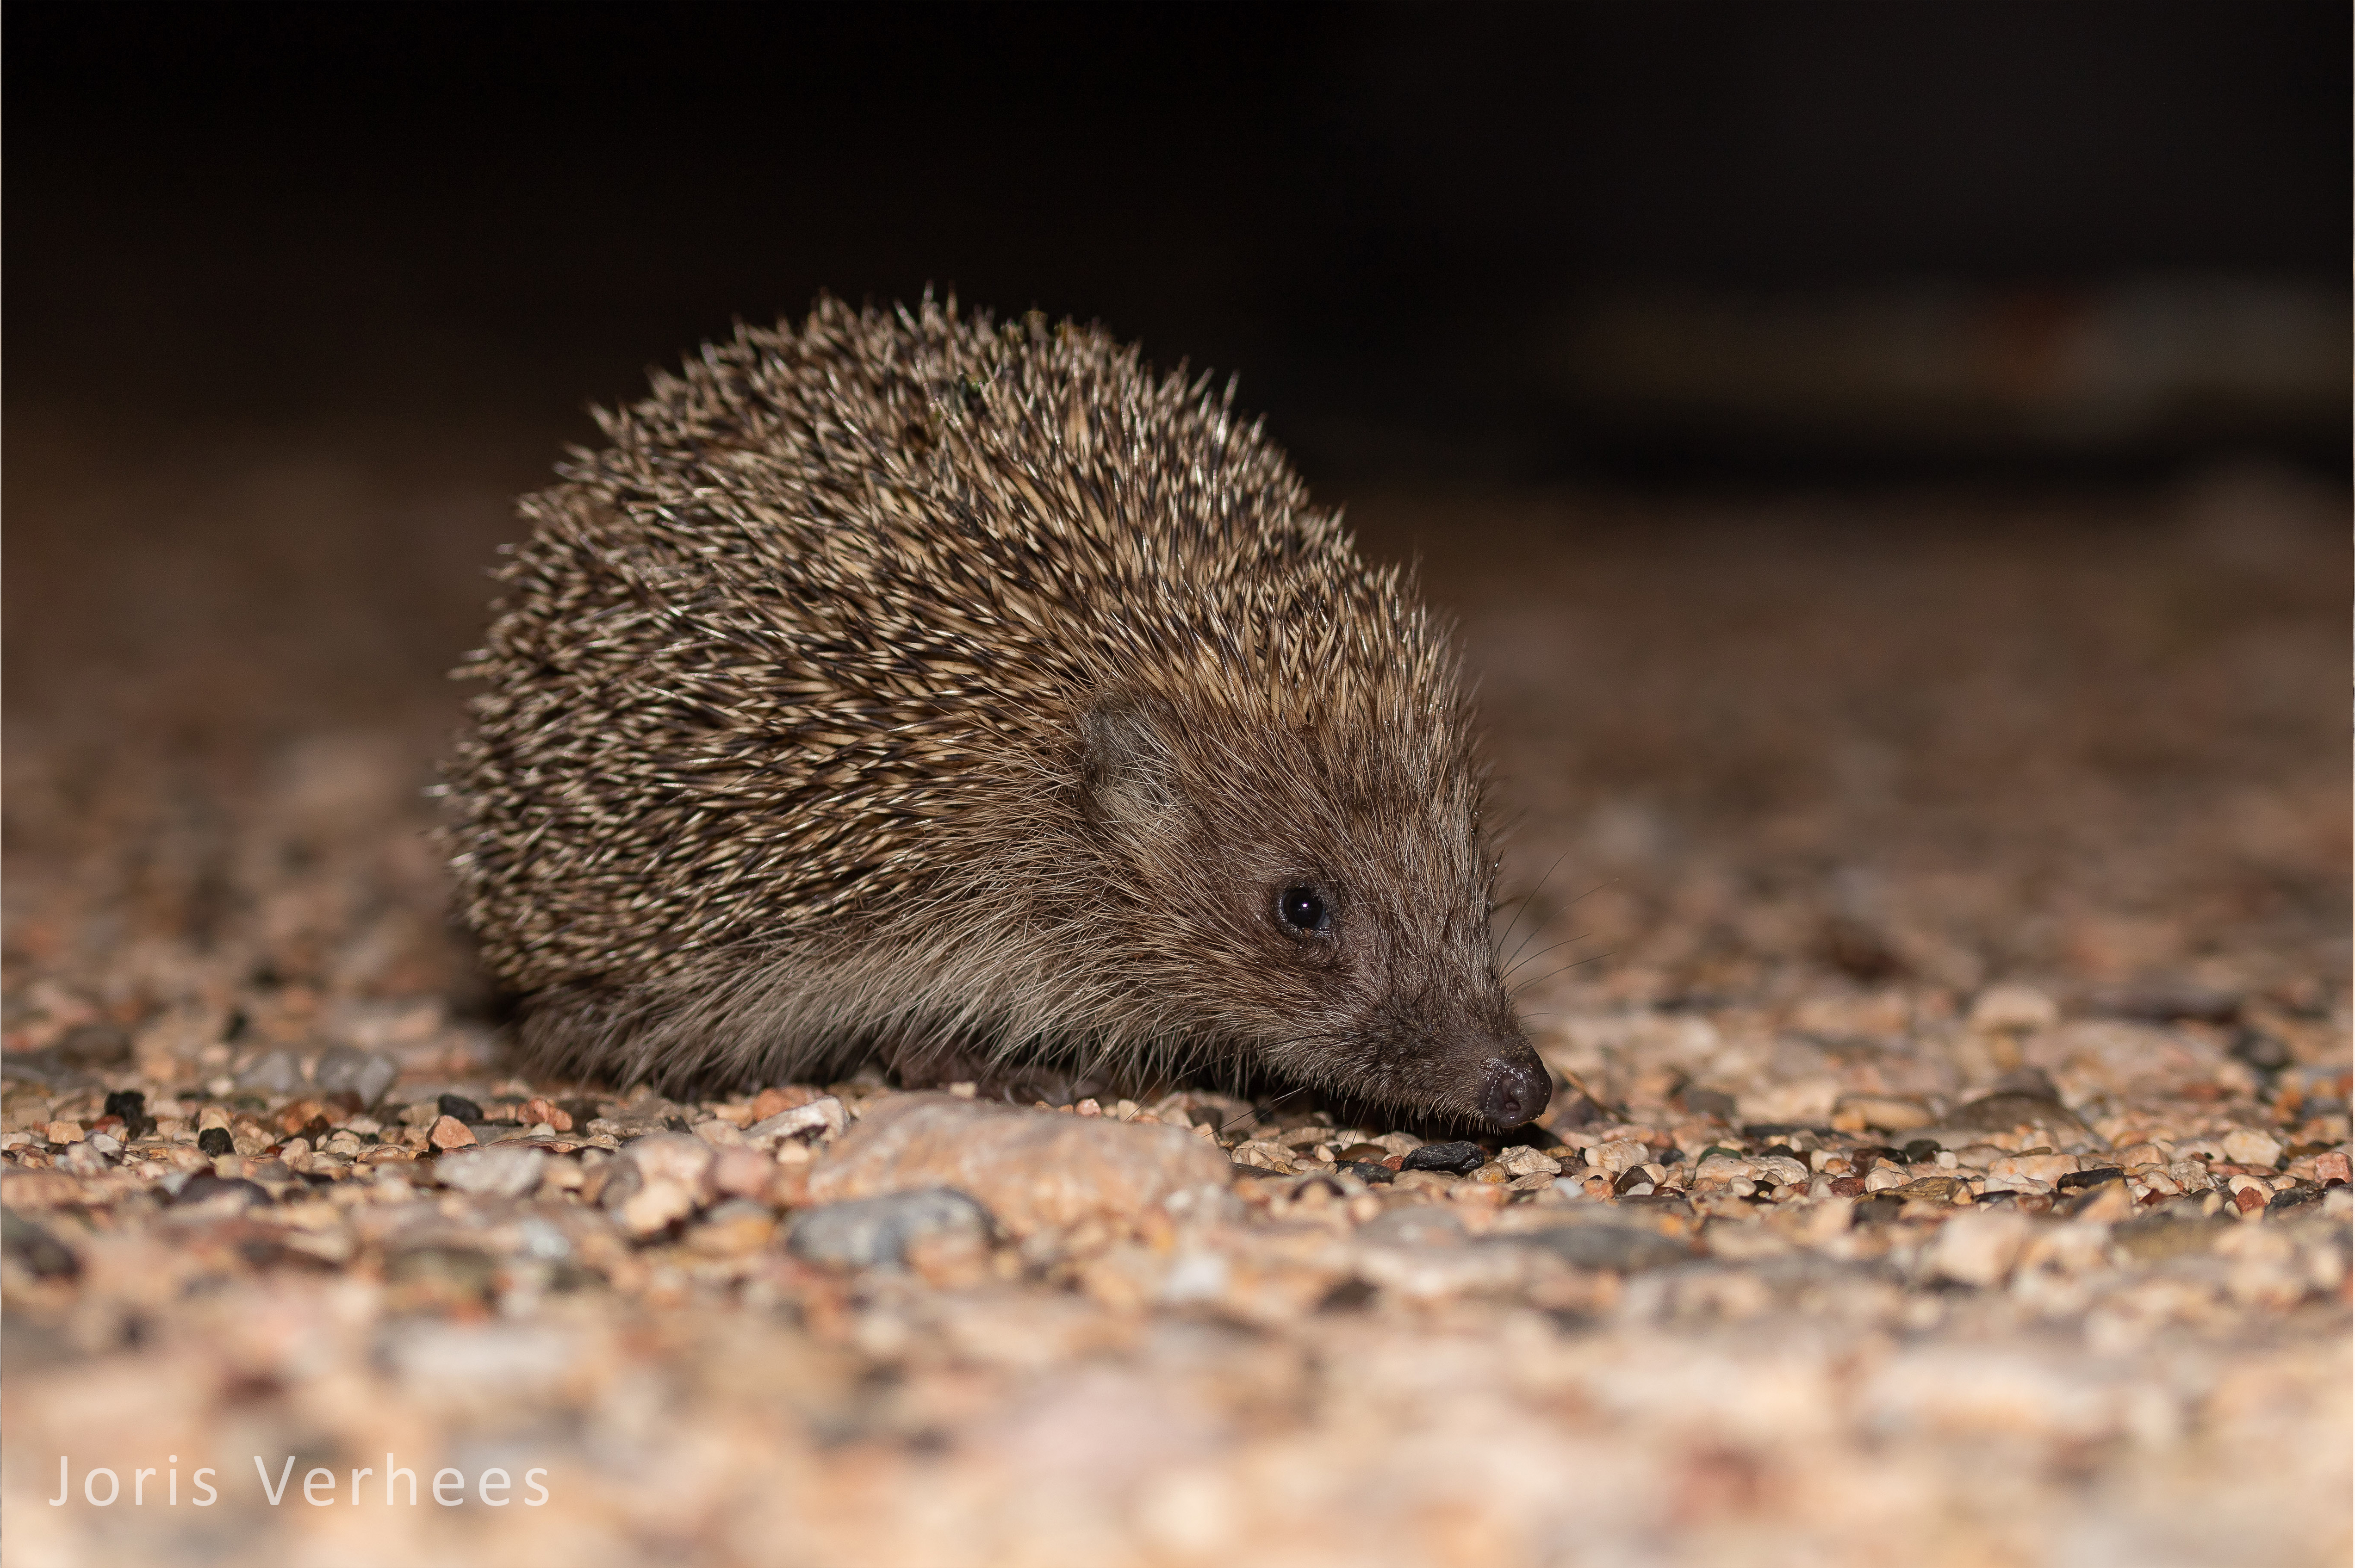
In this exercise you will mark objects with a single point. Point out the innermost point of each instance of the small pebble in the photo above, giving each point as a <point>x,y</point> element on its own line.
<point>2247,1146</point>
<point>645,1204</point>
<point>2093,1178</point>
<point>822,1114</point>
<point>744,1172</point>
<point>1418,1226</point>
<point>1935,1189</point>
<point>272,1072</point>
<point>1521,1160</point>
<point>1883,1113</point>
<point>216,1141</point>
<point>30,1245</point>
<point>2013,1008</point>
<point>1617,1155</point>
<point>2009,1108</point>
<point>1461,1158</point>
<point>370,1074</point>
<point>229,1192</point>
<point>501,1170</point>
<point>1711,1102</point>
<point>95,1045</point>
<point>540,1112</point>
<point>672,1157</point>
<point>2265,1052</point>
<point>131,1105</point>
<point>1979,1249</point>
<point>769,1101</point>
<point>2045,1168</point>
<point>868,1233</point>
<point>2173,1233</point>
<point>732,1229</point>
<point>1618,1249</point>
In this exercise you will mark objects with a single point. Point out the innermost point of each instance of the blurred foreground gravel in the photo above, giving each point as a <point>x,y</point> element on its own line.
<point>1937,907</point>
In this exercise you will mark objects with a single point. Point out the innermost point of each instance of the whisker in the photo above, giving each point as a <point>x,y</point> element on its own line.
<point>1565,909</point>
<point>1581,964</point>
<point>1527,898</point>
<point>1565,941</point>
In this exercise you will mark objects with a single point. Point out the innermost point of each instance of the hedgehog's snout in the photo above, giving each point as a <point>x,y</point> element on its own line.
<point>1514,1091</point>
<point>1460,1061</point>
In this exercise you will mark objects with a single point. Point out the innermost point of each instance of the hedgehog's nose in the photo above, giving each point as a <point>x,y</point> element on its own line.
<point>1514,1091</point>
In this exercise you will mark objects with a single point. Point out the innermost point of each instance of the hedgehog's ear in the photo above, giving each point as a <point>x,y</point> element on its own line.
<point>1128,771</point>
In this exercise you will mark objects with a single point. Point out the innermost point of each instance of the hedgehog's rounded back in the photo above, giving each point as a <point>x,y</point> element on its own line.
<point>909,683</point>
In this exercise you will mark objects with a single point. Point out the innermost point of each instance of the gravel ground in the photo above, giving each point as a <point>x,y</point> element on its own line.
<point>1936,906</point>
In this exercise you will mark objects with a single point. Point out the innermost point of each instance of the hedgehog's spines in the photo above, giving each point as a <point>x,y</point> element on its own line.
<point>785,687</point>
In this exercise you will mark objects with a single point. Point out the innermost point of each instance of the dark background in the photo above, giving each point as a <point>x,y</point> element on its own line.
<point>1888,463</point>
<point>1391,220</point>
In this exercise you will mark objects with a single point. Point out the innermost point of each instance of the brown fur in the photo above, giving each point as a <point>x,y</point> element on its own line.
<point>907,682</point>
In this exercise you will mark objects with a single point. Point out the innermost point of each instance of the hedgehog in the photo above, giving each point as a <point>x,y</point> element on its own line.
<point>965,699</point>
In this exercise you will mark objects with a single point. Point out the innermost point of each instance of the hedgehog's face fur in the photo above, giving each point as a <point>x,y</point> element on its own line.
<point>1295,895</point>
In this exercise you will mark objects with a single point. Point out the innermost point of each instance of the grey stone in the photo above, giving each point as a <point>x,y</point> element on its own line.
<point>2009,1108</point>
<point>68,1063</point>
<point>370,1074</point>
<point>866,1232</point>
<point>1618,1249</point>
<point>2294,1199</point>
<point>226,1192</point>
<point>40,1253</point>
<point>1419,1226</point>
<point>502,1172</point>
<point>542,1241</point>
<point>95,1045</point>
<point>42,1067</point>
<point>274,1072</point>
<point>1710,1103</point>
<point>2171,1233</point>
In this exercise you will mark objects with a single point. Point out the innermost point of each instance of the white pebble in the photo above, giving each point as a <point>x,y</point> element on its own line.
<point>2020,1007</point>
<point>1979,1248</point>
<point>1523,1161</point>
<point>2247,1146</point>
<point>824,1112</point>
<point>501,1171</point>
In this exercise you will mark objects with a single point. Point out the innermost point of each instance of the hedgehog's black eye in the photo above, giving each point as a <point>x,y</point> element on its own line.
<point>1303,909</point>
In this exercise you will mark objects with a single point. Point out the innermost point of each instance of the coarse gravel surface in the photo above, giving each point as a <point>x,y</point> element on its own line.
<point>1936,906</point>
